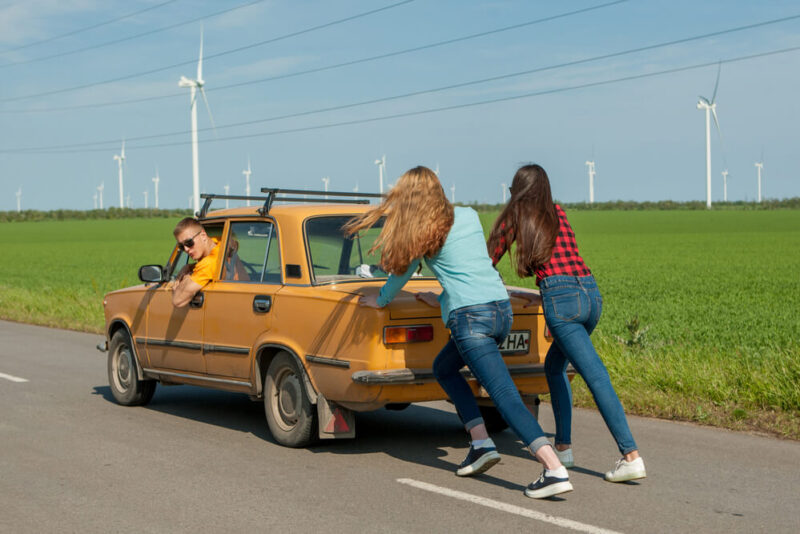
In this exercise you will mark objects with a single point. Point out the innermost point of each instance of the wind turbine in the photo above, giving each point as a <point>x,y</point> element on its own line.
<point>227,189</point>
<point>19,199</point>
<point>156,179</point>
<point>725,185</point>
<point>453,194</point>
<point>355,189</point>
<point>381,163</point>
<point>326,180</point>
<point>247,174</point>
<point>590,165</point>
<point>145,199</point>
<point>437,169</point>
<point>760,167</point>
<point>120,158</point>
<point>503,187</point>
<point>94,197</point>
<point>711,109</point>
<point>100,192</point>
<point>194,86</point>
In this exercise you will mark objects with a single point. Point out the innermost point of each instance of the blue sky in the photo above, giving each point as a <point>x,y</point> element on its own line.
<point>645,134</point>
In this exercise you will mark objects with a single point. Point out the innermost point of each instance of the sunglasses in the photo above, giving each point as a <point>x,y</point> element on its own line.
<point>189,243</point>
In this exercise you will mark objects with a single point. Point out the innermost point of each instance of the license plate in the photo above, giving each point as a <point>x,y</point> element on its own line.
<point>516,342</point>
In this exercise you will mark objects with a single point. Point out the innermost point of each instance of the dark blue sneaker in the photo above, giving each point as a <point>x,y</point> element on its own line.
<point>478,461</point>
<point>547,486</point>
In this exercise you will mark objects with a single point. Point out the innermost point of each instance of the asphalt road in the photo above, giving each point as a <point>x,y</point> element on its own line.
<point>71,460</point>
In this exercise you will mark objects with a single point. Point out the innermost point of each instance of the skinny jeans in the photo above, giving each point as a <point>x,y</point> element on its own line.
<point>475,332</point>
<point>572,307</point>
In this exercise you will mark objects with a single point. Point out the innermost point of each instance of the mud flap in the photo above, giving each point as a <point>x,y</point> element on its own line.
<point>335,422</point>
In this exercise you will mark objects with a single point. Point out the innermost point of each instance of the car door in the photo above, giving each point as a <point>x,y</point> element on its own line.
<point>175,335</point>
<point>239,306</point>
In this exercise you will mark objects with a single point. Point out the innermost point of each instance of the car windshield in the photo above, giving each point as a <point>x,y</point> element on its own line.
<point>335,257</point>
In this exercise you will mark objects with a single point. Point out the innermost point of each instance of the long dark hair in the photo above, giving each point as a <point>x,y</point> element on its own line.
<point>529,219</point>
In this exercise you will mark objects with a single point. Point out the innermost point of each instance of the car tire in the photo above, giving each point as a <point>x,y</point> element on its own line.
<point>492,419</point>
<point>123,376</point>
<point>291,417</point>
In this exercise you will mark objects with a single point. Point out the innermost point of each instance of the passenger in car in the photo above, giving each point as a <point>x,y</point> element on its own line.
<point>193,240</point>
<point>421,224</point>
<point>572,305</point>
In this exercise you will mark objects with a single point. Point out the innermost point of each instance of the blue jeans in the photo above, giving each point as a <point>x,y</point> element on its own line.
<point>475,332</point>
<point>572,307</point>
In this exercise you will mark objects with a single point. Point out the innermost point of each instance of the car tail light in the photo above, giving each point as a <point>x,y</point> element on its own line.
<point>547,335</point>
<point>407,334</point>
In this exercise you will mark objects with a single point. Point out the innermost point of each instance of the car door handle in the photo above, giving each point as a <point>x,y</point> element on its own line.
<point>197,300</point>
<point>262,303</point>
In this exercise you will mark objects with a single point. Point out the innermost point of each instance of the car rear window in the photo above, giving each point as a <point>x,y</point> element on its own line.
<point>335,257</point>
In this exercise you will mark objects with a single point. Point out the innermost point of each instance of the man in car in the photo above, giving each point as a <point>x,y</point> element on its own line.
<point>192,239</point>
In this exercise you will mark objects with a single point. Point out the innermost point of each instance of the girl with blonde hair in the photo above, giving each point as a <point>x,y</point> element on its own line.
<point>420,224</point>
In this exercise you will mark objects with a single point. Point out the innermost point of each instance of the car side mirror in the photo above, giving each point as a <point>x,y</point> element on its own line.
<point>151,273</point>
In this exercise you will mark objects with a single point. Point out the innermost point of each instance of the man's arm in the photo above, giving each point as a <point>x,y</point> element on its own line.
<point>184,289</point>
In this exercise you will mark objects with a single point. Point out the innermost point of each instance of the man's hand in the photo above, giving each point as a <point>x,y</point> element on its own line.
<point>370,301</point>
<point>428,297</point>
<point>530,298</point>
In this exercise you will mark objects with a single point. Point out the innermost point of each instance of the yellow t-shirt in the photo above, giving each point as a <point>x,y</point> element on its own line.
<point>206,268</point>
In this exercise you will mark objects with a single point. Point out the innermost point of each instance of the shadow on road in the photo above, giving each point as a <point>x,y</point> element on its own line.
<point>419,434</point>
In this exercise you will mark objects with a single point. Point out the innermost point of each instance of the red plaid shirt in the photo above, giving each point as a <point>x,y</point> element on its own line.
<point>565,259</point>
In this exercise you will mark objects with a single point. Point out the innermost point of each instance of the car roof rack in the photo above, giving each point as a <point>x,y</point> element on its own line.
<point>275,194</point>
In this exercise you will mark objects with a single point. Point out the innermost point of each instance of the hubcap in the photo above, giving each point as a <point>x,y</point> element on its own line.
<point>288,398</point>
<point>123,369</point>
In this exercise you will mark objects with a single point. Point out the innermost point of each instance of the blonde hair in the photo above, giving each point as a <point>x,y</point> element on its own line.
<point>418,219</point>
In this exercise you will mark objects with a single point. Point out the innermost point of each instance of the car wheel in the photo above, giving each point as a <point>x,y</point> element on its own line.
<point>123,377</point>
<point>290,415</point>
<point>492,419</point>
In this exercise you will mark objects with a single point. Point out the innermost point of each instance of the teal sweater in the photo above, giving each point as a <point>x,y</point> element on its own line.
<point>462,266</point>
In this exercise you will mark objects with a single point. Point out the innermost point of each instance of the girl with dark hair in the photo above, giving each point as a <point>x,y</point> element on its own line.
<point>572,304</point>
<point>421,224</point>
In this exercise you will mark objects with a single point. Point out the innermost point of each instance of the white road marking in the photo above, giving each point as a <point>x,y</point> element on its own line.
<point>504,507</point>
<point>13,378</point>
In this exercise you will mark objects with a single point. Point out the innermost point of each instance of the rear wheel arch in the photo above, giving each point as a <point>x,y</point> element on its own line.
<point>116,326</point>
<point>265,355</point>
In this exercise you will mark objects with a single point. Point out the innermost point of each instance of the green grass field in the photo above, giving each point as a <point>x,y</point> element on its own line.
<point>700,316</point>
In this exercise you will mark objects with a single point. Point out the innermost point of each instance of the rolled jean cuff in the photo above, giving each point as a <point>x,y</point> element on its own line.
<point>469,425</point>
<point>629,450</point>
<point>538,443</point>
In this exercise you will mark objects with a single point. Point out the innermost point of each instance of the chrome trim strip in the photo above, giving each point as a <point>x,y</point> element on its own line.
<point>225,348</point>
<point>327,361</point>
<point>196,377</point>
<point>418,376</point>
<point>178,344</point>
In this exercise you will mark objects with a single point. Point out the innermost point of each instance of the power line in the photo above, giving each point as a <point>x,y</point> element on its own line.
<point>446,108</point>
<point>330,67</point>
<point>213,56</point>
<point>87,28</point>
<point>131,37</point>
<point>428,91</point>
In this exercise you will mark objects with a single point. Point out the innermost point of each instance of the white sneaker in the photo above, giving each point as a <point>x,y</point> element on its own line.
<point>625,471</point>
<point>565,457</point>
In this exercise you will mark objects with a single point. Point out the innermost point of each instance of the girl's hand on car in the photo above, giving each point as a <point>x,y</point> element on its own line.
<point>370,301</point>
<point>530,298</point>
<point>428,297</point>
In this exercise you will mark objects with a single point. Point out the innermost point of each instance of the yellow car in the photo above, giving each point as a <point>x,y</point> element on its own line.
<point>281,322</point>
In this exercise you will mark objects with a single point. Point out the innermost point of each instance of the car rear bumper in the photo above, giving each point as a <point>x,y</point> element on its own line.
<point>422,376</point>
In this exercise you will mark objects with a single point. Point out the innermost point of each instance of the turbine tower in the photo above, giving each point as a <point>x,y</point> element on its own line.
<point>759,166</point>
<point>194,86</point>
<point>227,189</point>
<point>19,199</point>
<point>247,174</point>
<point>725,185</point>
<point>710,106</point>
<point>156,179</point>
<point>326,180</point>
<point>590,165</point>
<point>503,187</point>
<point>94,197</point>
<point>100,193</point>
<point>145,199</point>
<point>120,158</point>
<point>381,163</point>
<point>453,194</point>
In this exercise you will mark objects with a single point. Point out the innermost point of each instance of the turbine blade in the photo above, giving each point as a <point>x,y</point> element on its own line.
<point>719,133</point>
<point>200,60</point>
<point>210,116</point>
<point>716,85</point>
